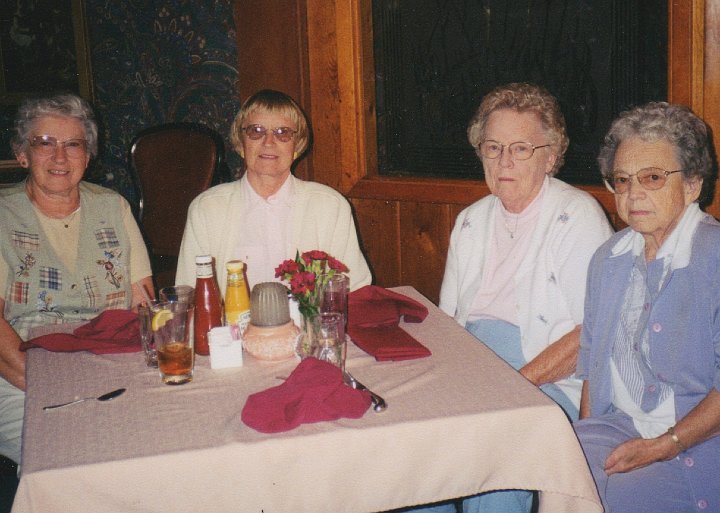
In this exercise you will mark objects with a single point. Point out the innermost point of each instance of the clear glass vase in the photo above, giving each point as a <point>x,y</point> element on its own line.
<point>307,340</point>
<point>323,337</point>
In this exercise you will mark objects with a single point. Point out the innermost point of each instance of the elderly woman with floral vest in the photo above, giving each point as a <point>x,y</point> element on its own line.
<point>68,249</point>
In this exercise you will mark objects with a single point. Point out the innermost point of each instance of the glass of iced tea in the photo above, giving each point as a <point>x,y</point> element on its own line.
<point>171,330</point>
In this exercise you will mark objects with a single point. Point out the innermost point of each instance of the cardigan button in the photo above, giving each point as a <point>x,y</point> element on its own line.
<point>657,327</point>
<point>702,504</point>
<point>689,462</point>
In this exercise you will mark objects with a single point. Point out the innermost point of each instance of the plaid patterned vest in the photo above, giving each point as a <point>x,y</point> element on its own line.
<point>41,290</point>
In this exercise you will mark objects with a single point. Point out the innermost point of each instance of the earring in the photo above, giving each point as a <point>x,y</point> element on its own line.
<point>295,155</point>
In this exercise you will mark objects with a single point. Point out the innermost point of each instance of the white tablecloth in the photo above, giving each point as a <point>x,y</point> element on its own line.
<point>458,423</point>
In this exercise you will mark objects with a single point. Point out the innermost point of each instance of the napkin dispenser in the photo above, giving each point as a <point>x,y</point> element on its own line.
<point>225,352</point>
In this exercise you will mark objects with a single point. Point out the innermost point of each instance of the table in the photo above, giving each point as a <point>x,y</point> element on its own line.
<point>458,423</point>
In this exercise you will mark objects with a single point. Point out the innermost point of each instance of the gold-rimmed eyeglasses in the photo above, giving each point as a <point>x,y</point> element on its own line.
<point>651,179</point>
<point>46,145</point>
<point>281,133</point>
<point>519,150</point>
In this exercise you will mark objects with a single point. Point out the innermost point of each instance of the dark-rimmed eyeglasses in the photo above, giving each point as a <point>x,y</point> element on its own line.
<point>651,179</point>
<point>46,145</point>
<point>518,150</point>
<point>281,133</point>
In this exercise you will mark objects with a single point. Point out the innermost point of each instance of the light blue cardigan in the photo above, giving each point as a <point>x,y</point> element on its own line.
<point>684,337</point>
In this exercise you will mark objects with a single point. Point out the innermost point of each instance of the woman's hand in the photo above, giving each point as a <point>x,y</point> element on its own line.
<point>12,361</point>
<point>702,423</point>
<point>640,452</point>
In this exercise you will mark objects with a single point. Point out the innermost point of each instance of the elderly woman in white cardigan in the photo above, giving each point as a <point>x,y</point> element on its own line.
<point>268,215</point>
<point>517,263</point>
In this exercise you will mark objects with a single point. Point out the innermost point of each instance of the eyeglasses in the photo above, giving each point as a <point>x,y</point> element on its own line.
<point>46,145</point>
<point>281,133</point>
<point>651,178</point>
<point>518,150</point>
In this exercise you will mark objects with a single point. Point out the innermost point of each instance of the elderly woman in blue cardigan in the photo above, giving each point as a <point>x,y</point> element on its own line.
<point>650,344</point>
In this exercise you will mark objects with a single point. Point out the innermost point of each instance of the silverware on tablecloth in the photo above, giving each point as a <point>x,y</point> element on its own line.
<point>378,403</point>
<point>104,397</point>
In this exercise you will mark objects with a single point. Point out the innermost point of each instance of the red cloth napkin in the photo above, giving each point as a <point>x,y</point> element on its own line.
<point>113,331</point>
<point>373,317</point>
<point>313,392</point>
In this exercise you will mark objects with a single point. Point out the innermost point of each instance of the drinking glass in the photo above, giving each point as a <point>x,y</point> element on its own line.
<point>170,325</point>
<point>181,294</point>
<point>178,294</point>
<point>147,340</point>
<point>331,343</point>
<point>335,294</point>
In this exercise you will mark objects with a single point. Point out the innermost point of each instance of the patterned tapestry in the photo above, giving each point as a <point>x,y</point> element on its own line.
<point>159,61</point>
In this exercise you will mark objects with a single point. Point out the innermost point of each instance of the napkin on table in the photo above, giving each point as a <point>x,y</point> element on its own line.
<point>313,392</point>
<point>373,323</point>
<point>113,331</point>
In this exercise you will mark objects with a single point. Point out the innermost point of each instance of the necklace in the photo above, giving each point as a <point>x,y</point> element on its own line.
<point>67,221</point>
<point>507,225</point>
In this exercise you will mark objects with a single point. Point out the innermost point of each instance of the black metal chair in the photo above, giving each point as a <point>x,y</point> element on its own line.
<point>171,164</point>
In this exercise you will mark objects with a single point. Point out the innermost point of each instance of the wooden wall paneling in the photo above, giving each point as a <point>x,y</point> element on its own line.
<point>274,58</point>
<point>685,23</point>
<point>424,237</point>
<point>711,83</point>
<point>694,65</point>
<point>339,99</point>
<point>379,234</point>
<point>272,54</point>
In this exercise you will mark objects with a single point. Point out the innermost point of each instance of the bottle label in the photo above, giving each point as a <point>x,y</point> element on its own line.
<point>241,319</point>
<point>203,270</point>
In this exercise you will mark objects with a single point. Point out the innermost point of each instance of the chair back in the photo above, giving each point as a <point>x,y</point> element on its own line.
<point>171,164</point>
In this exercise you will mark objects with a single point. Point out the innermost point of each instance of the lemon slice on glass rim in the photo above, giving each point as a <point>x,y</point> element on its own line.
<point>160,318</point>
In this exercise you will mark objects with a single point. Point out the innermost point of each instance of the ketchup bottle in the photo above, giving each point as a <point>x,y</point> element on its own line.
<point>208,304</point>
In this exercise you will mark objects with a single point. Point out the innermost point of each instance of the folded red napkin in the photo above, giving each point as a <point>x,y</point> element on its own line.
<point>313,392</point>
<point>373,317</point>
<point>113,331</point>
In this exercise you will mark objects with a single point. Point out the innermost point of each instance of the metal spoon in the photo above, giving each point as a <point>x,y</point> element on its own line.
<point>104,397</point>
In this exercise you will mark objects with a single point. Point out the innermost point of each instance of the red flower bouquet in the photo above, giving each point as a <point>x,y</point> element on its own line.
<point>307,275</point>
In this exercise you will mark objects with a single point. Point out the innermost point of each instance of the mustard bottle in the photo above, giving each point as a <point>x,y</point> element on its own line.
<point>237,296</point>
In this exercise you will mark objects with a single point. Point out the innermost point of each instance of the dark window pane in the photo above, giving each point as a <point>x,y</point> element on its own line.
<point>435,59</point>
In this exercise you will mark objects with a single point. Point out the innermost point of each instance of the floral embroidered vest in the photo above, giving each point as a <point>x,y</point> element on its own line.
<point>41,290</point>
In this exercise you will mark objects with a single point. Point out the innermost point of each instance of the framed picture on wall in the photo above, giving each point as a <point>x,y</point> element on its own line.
<point>43,50</point>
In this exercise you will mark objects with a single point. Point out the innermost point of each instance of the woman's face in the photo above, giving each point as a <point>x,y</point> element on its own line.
<point>57,172</point>
<point>653,213</point>
<point>268,157</point>
<point>517,182</point>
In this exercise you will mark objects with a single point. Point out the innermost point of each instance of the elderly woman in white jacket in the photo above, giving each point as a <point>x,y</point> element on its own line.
<point>268,215</point>
<point>518,258</point>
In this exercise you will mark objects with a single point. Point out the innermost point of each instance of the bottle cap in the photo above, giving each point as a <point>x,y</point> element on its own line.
<point>235,266</point>
<point>269,305</point>
<point>203,259</point>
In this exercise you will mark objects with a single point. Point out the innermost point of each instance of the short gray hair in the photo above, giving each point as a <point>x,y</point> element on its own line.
<point>523,97</point>
<point>673,123</point>
<point>62,105</point>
